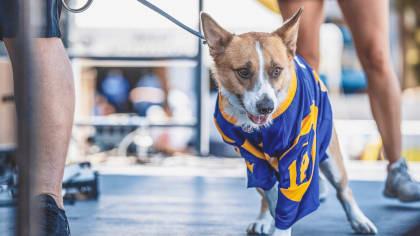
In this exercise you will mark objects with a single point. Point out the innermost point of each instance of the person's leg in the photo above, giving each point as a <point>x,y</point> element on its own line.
<point>56,109</point>
<point>368,21</point>
<point>310,24</point>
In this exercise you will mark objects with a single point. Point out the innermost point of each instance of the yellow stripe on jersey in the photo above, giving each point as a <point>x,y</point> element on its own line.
<point>260,154</point>
<point>226,138</point>
<point>323,87</point>
<point>288,100</point>
<point>250,166</point>
<point>309,121</point>
<point>319,81</point>
<point>316,76</point>
<point>232,120</point>
<point>253,150</point>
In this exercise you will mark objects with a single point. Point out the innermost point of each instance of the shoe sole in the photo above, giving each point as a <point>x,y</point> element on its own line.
<point>388,194</point>
<point>394,196</point>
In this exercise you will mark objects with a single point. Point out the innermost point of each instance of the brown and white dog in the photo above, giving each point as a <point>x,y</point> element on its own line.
<point>251,102</point>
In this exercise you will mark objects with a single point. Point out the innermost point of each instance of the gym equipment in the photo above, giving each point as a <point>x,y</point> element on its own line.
<point>8,171</point>
<point>80,181</point>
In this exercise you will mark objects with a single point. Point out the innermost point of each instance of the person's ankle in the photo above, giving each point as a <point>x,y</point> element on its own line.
<point>57,198</point>
<point>392,161</point>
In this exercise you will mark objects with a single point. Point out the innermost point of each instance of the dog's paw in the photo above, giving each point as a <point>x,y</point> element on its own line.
<point>358,221</point>
<point>362,225</point>
<point>282,232</point>
<point>261,226</point>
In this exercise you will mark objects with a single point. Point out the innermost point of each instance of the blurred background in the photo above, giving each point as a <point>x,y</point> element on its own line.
<point>145,98</point>
<point>144,88</point>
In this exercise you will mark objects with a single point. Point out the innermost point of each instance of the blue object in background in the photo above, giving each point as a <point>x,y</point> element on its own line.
<point>115,87</point>
<point>353,80</point>
<point>324,79</point>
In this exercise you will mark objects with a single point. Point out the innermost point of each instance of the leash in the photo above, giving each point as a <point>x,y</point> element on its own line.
<point>147,4</point>
<point>173,20</point>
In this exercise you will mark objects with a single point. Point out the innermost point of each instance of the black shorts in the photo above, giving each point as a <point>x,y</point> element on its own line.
<point>9,15</point>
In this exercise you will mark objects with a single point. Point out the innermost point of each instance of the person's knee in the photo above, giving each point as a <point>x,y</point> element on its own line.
<point>311,57</point>
<point>375,59</point>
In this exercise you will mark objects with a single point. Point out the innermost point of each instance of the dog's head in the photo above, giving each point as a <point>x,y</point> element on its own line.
<point>252,70</point>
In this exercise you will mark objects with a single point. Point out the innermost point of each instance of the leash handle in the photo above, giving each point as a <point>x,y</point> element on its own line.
<point>169,17</point>
<point>79,10</point>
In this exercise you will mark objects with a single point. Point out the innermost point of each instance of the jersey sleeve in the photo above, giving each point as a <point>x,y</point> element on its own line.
<point>260,174</point>
<point>225,137</point>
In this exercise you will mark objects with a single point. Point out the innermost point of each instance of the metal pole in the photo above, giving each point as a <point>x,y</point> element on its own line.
<point>202,88</point>
<point>26,102</point>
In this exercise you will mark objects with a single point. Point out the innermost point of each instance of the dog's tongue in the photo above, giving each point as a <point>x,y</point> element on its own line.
<point>259,119</point>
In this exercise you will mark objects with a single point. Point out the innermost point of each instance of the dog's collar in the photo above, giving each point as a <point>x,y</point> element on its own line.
<point>230,119</point>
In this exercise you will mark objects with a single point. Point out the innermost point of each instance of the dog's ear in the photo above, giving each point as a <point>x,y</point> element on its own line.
<point>217,38</point>
<point>289,32</point>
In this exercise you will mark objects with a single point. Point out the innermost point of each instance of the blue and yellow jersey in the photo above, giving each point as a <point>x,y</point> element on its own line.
<point>290,149</point>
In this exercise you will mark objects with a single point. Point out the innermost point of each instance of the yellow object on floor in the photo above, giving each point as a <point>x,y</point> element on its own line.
<point>271,4</point>
<point>411,154</point>
<point>372,151</point>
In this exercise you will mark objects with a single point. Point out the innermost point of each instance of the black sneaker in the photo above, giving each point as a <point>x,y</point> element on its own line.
<point>53,220</point>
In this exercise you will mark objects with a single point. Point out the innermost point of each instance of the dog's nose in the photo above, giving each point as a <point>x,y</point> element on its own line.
<point>265,105</point>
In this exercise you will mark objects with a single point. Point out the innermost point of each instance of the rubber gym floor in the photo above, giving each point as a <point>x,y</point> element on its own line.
<point>152,205</point>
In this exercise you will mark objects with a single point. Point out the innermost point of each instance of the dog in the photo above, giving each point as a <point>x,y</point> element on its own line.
<point>273,108</point>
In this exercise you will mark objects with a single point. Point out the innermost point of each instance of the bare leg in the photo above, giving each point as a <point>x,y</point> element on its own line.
<point>56,97</point>
<point>335,172</point>
<point>264,221</point>
<point>369,22</point>
<point>310,25</point>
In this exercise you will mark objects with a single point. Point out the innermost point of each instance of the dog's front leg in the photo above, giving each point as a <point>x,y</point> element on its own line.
<point>264,222</point>
<point>335,172</point>
<point>271,196</point>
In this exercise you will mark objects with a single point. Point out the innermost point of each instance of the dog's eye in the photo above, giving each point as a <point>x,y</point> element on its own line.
<point>243,73</point>
<point>276,72</point>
